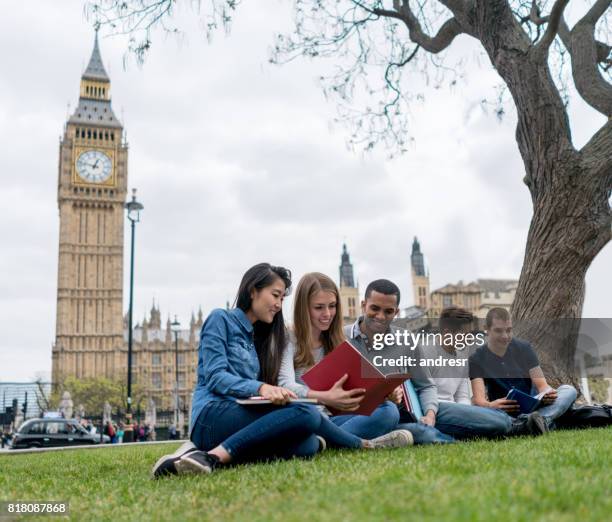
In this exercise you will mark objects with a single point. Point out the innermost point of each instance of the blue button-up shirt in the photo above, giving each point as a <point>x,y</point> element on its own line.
<point>228,367</point>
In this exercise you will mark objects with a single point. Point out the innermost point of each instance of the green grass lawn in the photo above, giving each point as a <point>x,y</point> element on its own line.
<point>563,476</point>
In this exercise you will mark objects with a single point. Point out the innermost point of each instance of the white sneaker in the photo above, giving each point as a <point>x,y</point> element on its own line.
<point>166,463</point>
<point>393,439</point>
<point>322,443</point>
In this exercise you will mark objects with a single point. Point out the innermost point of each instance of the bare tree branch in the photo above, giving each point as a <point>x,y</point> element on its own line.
<point>603,49</point>
<point>551,30</point>
<point>534,14</point>
<point>586,55</point>
<point>596,11</point>
<point>447,33</point>
<point>596,152</point>
<point>457,6</point>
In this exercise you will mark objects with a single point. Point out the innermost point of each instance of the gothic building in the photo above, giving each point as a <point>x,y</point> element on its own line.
<point>161,354</point>
<point>477,296</point>
<point>349,291</point>
<point>92,185</point>
<point>91,333</point>
<point>420,278</point>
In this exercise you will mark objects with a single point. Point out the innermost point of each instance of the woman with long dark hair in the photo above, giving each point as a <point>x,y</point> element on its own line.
<point>239,357</point>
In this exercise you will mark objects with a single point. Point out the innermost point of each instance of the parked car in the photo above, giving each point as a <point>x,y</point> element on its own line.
<point>50,433</point>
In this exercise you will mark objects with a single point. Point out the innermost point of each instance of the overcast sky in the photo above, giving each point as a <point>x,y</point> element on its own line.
<point>236,162</point>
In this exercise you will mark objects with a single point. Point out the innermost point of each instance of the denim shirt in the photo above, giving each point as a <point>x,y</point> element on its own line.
<point>228,367</point>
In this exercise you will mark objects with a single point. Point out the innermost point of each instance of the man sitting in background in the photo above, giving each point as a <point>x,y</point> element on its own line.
<point>456,414</point>
<point>505,363</point>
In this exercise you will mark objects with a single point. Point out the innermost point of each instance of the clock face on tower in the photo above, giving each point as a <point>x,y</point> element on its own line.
<point>94,166</point>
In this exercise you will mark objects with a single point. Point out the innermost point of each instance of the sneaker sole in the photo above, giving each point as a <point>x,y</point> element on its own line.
<point>322,444</point>
<point>187,466</point>
<point>171,458</point>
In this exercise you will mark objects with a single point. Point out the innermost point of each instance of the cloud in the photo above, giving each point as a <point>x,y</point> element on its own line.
<point>235,163</point>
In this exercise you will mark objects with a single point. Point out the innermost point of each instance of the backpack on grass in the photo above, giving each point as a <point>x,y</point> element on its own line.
<point>586,416</point>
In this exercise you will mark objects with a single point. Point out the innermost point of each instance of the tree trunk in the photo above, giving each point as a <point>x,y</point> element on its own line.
<point>569,189</point>
<point>564,237</point>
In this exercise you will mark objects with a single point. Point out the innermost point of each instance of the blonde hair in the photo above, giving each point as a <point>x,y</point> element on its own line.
<point>308,286</point>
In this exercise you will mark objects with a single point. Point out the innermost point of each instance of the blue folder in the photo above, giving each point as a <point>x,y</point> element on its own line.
<point>412,403</point>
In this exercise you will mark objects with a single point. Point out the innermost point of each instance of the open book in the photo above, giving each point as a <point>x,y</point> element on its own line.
<point>260,400</point>
<point>527,403</point>
<point>346,359</point>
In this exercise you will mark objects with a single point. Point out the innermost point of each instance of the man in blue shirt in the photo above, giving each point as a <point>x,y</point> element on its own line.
<point>505,363</point>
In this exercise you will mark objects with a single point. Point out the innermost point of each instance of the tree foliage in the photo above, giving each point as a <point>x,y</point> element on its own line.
<point>94,392</point>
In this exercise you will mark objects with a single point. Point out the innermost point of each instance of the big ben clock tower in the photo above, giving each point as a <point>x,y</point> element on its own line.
<point>92,186</point>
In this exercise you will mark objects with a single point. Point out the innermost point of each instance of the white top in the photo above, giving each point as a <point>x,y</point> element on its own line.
<point>450,389</point>
<point>290,377</point>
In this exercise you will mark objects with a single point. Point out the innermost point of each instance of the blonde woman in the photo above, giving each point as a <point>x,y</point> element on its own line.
<point>317,323</point>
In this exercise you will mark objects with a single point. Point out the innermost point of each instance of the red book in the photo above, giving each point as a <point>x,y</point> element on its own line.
<point>346,359</point>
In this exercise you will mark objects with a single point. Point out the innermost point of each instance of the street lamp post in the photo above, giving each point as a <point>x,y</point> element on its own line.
<point>133,214</point>
<point>175,325</point>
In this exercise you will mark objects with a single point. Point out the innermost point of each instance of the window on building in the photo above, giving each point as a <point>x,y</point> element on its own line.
<point>156,380</point>
<point>447,300</point>
<point>156,359</point>
<point>181,380</point>
<point>181,358</point>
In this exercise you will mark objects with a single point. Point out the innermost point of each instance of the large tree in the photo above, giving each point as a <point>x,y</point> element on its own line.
<point>530,45</point>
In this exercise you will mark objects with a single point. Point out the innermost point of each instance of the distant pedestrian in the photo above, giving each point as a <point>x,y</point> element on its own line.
<point>172,432</point>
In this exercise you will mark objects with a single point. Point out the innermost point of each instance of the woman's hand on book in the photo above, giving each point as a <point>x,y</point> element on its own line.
<point>341,399</point>
<point>396,395</point>
<point>276,394</point>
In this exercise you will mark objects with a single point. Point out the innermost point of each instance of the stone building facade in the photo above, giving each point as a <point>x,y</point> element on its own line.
<point>156,350</point>
<point>478,296</point>
<point>91,333</point>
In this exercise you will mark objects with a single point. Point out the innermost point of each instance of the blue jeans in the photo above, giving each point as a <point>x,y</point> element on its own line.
<point>464,421</point>
<point>566,395</point>
<point>258,432</point>
<point>336,436</point>
<point>424,434</point>
<point>382,420</point>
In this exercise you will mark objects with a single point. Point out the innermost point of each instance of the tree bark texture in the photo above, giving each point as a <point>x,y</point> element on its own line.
<point>570,191</point>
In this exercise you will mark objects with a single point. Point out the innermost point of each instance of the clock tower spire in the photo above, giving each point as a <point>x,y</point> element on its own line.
<point>92,186</point>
